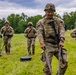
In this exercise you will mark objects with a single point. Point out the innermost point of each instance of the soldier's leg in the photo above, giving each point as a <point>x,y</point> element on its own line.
<point>33,49</point>
<point>64,62</point>
<point>5,43</point>
<point>6,48</point>
<point>46,69</point>
<point>8,45</point>
<point>28,46</point>
<point>33,46</point>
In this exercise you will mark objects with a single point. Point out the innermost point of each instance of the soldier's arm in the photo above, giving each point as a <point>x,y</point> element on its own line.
<point>1,31</point>
<point>40,29</point>
<point>25,32</point>
<point>35,32</point>
<point>61,29</point>
<point>11,31</point>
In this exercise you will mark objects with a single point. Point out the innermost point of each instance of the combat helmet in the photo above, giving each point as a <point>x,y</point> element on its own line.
<point>50,6</point>
<point>30,23</point>
<point>6,22</point>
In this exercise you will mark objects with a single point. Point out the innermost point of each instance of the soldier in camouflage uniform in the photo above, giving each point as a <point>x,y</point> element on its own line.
<point>46,35</point>
<point>73,33</point>
<point>7,32</point>
<point>30,33</point>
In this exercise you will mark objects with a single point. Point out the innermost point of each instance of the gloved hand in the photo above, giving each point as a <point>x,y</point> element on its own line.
<point>61,43</point>
<point>43,46</point>
<point>43,57</point>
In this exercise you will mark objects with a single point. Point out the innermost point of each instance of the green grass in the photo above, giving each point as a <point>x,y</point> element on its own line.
<point>11,65</point>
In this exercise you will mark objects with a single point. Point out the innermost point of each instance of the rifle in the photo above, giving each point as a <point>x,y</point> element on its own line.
<point>56,37</point>
<point>59,68</point>
<point>47,59</point>
<point>60,59</point>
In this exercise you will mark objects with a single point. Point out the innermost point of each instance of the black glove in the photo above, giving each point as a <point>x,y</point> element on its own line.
<point>44,48</point>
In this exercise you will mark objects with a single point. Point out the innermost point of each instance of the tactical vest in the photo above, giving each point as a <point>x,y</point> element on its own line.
<point>7,31</point>
<point>30,33</point>
<point>50,35</point>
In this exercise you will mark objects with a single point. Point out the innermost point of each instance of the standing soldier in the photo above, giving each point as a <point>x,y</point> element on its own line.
<point>50,30</point>
<point>7,32</point>
<point>30,33</point>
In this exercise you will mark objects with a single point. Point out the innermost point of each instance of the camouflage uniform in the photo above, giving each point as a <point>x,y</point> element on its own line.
<point>46,34</point>
<point>7,32</point>
<point>30,34</point>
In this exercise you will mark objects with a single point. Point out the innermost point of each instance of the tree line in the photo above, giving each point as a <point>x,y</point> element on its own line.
<point>19,22</point>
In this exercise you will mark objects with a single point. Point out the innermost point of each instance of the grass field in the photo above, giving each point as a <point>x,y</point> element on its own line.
<point>11,65</point>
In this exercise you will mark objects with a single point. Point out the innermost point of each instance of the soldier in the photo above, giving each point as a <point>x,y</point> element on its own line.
<point>73,33</point>
<point>30,33</point>
<point>7,32</point>
<point>50,30</point>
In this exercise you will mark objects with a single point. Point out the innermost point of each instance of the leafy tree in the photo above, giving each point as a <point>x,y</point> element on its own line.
<point>24,17</point>
<point>33,19</point>
<point>2,22</point>
<point>70,20</point>
<point>14,20</point>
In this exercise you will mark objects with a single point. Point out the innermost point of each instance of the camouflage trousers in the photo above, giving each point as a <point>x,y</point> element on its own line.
<point>31,43</point>
<point>7,43</point>
<point>52,50</point>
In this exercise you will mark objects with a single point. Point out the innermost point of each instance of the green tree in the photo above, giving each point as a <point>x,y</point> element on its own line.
<point>70,20</point>
<point>34,19</point>
<point>2,22</point>
<point>14,20</point>
<point>24,17</point>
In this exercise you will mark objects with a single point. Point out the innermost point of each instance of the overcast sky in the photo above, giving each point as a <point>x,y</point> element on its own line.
<point>34,7</point>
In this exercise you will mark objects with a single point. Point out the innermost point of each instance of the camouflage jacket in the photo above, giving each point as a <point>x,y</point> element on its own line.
<point>30,32</point>
<point>46,31</point>
<point>7,31</point>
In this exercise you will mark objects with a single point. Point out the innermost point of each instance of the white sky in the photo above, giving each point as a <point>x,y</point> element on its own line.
<point>35,8</point>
